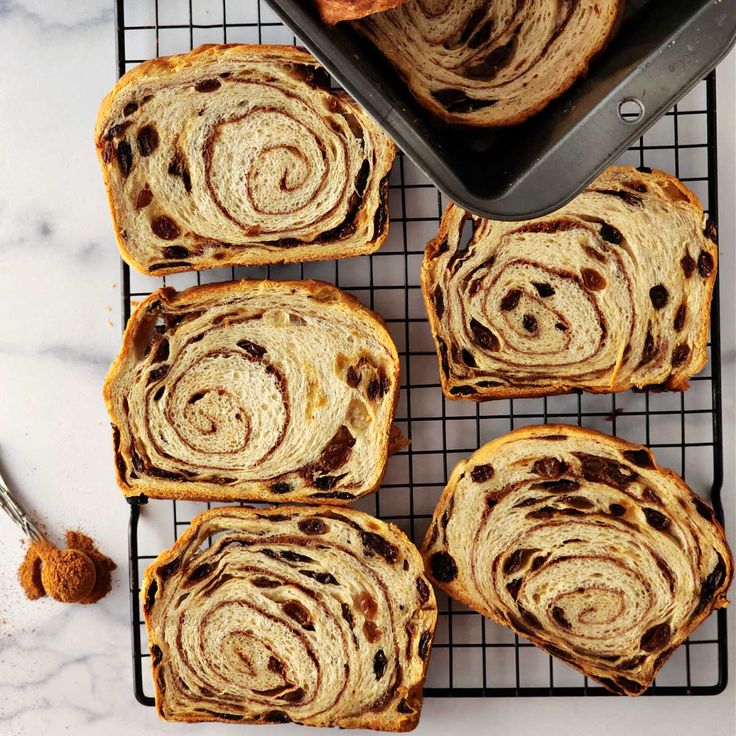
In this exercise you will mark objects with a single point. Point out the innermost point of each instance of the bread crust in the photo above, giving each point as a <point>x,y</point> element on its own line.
<point>486,454</point>
<point>334,11</point>
<point>255,490</point>
<point>163,66</point>
<point>399,722</point>
<point>678,380</point>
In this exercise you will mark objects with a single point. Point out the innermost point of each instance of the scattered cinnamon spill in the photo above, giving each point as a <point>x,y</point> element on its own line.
<point>67,574</point>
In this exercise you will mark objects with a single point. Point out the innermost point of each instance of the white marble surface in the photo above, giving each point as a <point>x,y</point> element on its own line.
<point>67,669</point>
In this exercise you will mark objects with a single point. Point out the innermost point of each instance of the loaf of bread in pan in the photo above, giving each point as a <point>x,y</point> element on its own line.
<point>581,543</point>
<point>481,63</point>
<point>610,292</point>
<point>253,390</point>
<point>318,616</point>
<point>240,155</point>
<point>333,11</point>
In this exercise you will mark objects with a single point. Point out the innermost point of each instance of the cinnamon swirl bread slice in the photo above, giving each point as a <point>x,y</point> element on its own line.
<point>240,155</point>
<point>311,615</point>
<point>482,63</point>
<point>581,543</point>
<point>257,390</point>
<point>333,11</point>
<point>610,292</point>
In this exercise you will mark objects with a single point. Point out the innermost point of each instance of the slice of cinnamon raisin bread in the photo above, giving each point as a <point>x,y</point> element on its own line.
<point>484,63</point>
<point>333,11</point>
<point>610,292</point>
<point>312,615</point>
<point>581,543</point>
<point>240,155</point>
<point>254,390</point>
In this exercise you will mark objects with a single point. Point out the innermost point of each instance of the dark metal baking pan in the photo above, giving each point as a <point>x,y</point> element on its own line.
<point>661,51</point>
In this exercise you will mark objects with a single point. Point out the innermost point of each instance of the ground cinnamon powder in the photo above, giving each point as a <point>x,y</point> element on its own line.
<point>67,570</point>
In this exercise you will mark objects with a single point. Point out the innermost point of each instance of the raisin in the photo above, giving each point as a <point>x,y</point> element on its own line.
<point>337,451</point>
<point>366,604</point>
<point>422,590</point>
<point>641,458</point>
<point>558,614</point>
<point>124,155</point>
<point>296,611</point>
<point>680,317</point>
<point>254,350</point>
<point>688,265</point>
<point>530,323</point>
<point>156,654</point>
<point>468,359</point>
<point>483,336</point>
<point>150,596</point>
<point>703,509</point>
<point>455,100</point>
<point>326,482</point>
<point>513,588</point>
<point>706,264</point>
<point>711,231</point>
<point>680,355</point>
<point>145,197</point>
<point>481,473</point>
<point>130,108</point>
<point>201,571</point>
<point>710,585</point>
<point>325,578</point>
<point>515,561</point>
<point>649,350</point>
<point>564,485</point>
<point>659,296</point>
<point>511,300</point>
<point>602,470</point>
<point>207,85</point>
<point>549,467</point>
<point>276,716</point>
<point>544,290</point>
<point>656,638</point>
<point>578,502</point>
<point>147,140</point>
<point>379,664</point>
<point>592,280</point>
<point>656,519</point>
<point>313,527</point>
<point>288,554</point>
<point>175,251</point>
<point>165,228</point>
<point>617,509</point>
<point>347,614</point>
<point>371,631</point>
<point>374,544</point>
<point>263,582</point>
<point>611,234</point>
<point>439,301</point>
<point>404,707</point>
<point>373,389</point>
<point>352,378</point>
<point>424,641</point>
<point>443,567</point>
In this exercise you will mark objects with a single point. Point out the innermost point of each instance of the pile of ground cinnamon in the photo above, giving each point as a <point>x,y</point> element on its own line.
<point>67,575</point>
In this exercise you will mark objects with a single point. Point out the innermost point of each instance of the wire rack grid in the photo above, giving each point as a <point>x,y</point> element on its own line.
<point>471,656</point>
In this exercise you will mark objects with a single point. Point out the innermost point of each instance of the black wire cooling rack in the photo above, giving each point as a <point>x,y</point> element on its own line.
<point>471,656</point>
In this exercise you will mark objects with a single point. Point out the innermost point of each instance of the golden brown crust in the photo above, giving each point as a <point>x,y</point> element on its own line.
<point>486,454</point>
<point>676,381</point>
<point>256,491</point>
<point>163,66</point>
<point>397,720</point>
<point>334,11</point>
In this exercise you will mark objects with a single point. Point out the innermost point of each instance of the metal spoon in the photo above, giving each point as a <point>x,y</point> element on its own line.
<point>22,518</point>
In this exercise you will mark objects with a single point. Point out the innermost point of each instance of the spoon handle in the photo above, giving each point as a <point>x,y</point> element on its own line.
<point>18,514</point>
